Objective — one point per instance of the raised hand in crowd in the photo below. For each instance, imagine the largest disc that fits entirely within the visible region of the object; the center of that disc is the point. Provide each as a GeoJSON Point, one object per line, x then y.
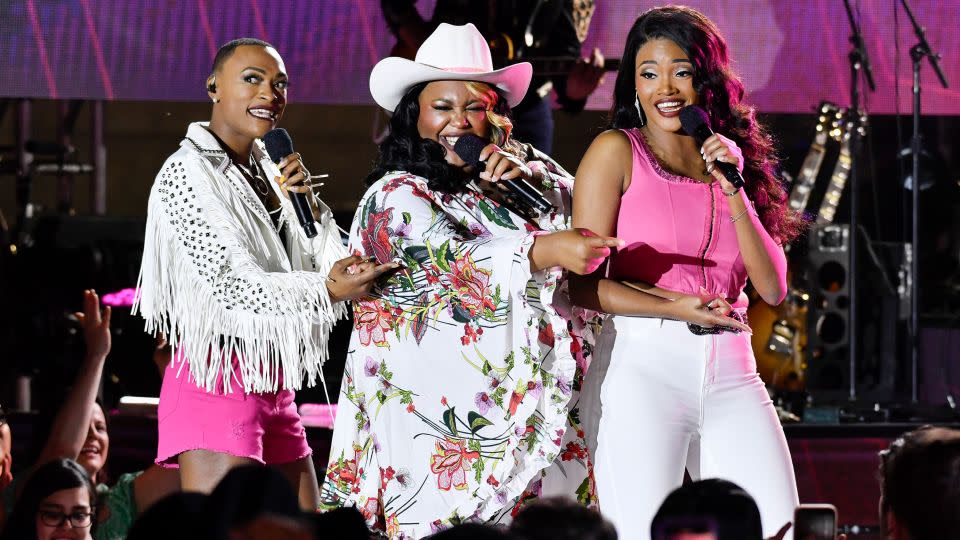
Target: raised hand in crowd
{"type": "Point", "coordinates": [68, 434]}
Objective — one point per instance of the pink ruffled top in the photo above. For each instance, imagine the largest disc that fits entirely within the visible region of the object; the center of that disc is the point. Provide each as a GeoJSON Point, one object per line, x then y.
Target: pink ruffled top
{"type": "Point", "coordinates": [677, 231]}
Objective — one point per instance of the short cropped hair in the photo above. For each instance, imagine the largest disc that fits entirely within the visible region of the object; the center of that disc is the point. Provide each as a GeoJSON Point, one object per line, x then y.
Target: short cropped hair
{"type": "Point", "coordinates": [226, 50]}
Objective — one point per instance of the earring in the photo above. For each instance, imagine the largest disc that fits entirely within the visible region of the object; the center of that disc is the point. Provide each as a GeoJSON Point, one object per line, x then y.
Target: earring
{"type": "Point", "coordinates": [216, 100]}
{"type": "Point", "coordinates": [636, 103]}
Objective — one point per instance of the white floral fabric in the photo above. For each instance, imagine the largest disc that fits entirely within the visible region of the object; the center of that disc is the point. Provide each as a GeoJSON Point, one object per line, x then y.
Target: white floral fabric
{"type": "Point", "coordinates": [461, 368]}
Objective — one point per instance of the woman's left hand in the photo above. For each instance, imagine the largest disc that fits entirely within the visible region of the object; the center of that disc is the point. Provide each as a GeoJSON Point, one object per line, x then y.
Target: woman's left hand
{"type": "Point", "coordinates": [295, 176]}
{"type": "Point", "coordinates": [502, 166]}
{"type": "Point", "coordinates": [720, 148]}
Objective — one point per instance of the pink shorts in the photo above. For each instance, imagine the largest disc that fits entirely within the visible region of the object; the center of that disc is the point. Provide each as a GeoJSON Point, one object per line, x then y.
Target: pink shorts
{"type": "Point", "coordinates": [263, 427]}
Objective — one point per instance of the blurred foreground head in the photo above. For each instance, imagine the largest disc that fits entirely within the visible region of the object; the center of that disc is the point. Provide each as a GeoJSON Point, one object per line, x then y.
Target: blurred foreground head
{"type": "Point", "coordinates": [920, 485]}
{"type": "Point", "coordinates": [706, 510]}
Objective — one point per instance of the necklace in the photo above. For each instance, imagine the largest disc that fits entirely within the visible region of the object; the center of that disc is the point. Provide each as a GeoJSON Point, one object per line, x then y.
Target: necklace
{"type": "Point", "coordinates": [663, 162]}
{"type": "Point", "coordinates": [252, 174]}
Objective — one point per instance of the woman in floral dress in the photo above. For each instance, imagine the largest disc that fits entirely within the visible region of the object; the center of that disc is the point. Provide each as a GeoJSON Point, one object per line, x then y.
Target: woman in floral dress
{"type": "Point", "coordinates": [462, 365]}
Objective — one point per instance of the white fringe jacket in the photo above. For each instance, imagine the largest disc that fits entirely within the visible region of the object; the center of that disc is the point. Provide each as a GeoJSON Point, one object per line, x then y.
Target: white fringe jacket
{"type": "Point", "coordinates": [216, 279]}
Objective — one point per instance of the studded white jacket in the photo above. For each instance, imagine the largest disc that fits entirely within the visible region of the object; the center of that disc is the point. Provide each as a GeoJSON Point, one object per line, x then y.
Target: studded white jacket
{"type": "Point", "coordinates": [217, 281]}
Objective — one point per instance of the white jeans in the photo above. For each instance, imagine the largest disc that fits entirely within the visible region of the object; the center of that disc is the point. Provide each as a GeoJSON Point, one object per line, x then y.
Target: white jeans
{"type": "Point", "coordinates": [658, 398]}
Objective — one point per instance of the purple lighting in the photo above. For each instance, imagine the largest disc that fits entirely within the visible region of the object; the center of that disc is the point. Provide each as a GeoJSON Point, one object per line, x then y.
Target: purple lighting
{"type": "Point", "coordinates": [121, 298]}
{"type": "Point", "coordinates": [790, 54]}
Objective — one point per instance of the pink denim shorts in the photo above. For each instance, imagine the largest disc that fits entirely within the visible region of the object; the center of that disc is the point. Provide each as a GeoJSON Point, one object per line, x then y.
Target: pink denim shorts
{"type": "Point", "coordinates": [264, 427]}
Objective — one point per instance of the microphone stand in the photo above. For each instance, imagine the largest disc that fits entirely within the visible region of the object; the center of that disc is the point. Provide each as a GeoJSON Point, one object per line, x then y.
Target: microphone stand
{"type": "Point", "coordinates": [917, 53]}
{"type": "Point", "coordinates": [859, 64]}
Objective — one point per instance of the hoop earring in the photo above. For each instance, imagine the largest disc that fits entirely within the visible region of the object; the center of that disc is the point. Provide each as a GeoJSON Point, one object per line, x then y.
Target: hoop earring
{"type": "Point", "coordinates": [643, 117]}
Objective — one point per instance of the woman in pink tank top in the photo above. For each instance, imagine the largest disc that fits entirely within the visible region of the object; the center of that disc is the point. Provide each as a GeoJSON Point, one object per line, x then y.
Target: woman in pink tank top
{"type": "Point", "coordinates": [673, 383]}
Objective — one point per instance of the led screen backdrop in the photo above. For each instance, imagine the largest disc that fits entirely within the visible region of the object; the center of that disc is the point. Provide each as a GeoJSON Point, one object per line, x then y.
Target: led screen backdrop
{"type": "Point", "coordinates": [790, 53]}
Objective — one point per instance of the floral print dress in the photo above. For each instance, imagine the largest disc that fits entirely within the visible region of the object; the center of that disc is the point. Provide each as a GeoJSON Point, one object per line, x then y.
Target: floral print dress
{"type": "Point", "coordinates": [461, 368]}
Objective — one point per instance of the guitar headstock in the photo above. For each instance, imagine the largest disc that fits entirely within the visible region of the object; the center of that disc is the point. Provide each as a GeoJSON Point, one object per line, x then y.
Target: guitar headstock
{"type": "Point", "coordinates": [850, 122]}
{"type": "Point", "coordinates": [862, 123]}
{"type": "Point", "coordinates": [840, 125]}
{"type": "Point", "coordinates": [826, 116]}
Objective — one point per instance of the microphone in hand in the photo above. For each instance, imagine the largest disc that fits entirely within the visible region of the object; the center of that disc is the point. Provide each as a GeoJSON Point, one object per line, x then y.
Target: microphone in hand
{"type": "Point", "coordinates": [469, 147]}
{"type": "Point", "coordinates": [696, 124]}
{"type": "Point", "coordinates": [280, 145]}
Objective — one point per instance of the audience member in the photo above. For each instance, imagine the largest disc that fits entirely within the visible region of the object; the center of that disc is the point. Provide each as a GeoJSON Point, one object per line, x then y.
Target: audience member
{"type": "Point", "coordinates": [272, 527]}
{"type": "Point", "coordinates": [245, 494]}
{"type": "Point", "coordinates": [342, 523]}
{"type": "Point", "coordinates": [6, 462]}
{"type": "Point", "coordinates": [6, 458]}
{"type": "Point", "coordinates": [168, 516]}
{"type": "Point", "coordinates": [57, 501]}
{"type": "Point", "coordinates": [472, 531]}
{"type": "Point", "coordinates": [79, 432]}
{"type": "Point", "coordinates": [559, 518]}
{"type": "Point", "coordinates": [920, 485]}
{"type": "Point", "coordinates": [707, 506]}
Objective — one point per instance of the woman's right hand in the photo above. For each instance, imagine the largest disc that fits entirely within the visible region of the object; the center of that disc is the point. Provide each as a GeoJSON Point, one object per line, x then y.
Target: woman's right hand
{"type": "Point", "coordinates": [578, 250]}
{"type": "Point", "coordinates": [96, 326]}
{"type": "Point", "coordinates": [704, 312]}
{"type": "Point", "coordinates": [352, 277]}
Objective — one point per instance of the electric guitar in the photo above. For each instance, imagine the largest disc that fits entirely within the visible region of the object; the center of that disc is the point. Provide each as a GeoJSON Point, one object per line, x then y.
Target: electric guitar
{"type": "Point", "coordinates": [841, 171]}
{"type": "Point", "coordinates": [803, 186]}
{"type": "Point", "coordinates": [780, 333]}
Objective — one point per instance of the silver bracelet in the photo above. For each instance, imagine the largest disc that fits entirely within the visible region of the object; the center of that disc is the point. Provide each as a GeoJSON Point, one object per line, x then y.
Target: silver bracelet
{"type": "Point", "coordinates": [733, 219]}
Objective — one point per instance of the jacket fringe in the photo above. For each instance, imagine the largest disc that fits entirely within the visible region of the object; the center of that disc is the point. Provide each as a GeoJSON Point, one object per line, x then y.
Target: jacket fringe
{"type": "Point", "coordinates": [205, 285]}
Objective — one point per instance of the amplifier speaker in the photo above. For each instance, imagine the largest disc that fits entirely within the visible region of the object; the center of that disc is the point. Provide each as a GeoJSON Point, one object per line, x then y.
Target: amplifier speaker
{"type": "Point", "coordinates": [828, 340]}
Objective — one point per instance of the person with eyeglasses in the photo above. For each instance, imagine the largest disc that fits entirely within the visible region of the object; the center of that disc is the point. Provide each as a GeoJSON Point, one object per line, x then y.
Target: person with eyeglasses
{"type": "Point", "coordinates": [58, 501]}
{"type": "Point", "coordinates": [80, 432]}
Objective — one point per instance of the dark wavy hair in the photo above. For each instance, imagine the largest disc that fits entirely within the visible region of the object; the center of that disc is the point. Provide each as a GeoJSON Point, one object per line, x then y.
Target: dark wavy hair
{"type": "Point", "coordinates": [405, 150]}
{"type": "Point", "coordinates": [721, 95]}
{"type": "Point", "coordinates": [44, 481]}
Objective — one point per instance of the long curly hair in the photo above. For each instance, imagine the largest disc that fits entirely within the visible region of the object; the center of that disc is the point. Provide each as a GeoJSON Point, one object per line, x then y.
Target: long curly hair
{"type": "Point", "coordinates": [405, 150]}
{"type": "Point", "coordinates": [721, 95]}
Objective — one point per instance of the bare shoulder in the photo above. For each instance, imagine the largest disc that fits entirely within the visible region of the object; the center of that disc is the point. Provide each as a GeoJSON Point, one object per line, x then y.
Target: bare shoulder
{"type": "Point", "coordinates": [611, 142]}
{"type": "Point", "coordinates": [608, 160]}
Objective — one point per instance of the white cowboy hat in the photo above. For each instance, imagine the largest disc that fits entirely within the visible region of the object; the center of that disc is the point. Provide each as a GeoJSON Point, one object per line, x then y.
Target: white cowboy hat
{"type": "Point", "coordinates": [450, 53]}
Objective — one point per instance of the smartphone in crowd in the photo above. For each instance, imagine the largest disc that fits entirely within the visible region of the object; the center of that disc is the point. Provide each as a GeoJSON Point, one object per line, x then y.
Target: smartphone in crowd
{"type": "Point", "coordinates": [815, 522]}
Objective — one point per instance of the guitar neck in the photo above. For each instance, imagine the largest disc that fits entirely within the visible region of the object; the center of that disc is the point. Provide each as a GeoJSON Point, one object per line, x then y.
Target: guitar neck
{"type": "Point", "coordinates": [838, 180]}
{"type": "Point", "coordinates": [803, 186]}
{"type": "Point", "coordinates": [560, 65]}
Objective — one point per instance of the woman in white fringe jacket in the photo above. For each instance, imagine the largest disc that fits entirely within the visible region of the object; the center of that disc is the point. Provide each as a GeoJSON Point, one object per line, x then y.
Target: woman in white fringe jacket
{"type": "Point", "coordinates": [245, 299]}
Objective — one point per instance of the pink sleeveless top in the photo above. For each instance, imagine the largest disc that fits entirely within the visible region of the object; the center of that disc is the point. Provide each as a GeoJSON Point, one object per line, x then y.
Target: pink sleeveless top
{"type": "Point", "coordinates": [677, 231]}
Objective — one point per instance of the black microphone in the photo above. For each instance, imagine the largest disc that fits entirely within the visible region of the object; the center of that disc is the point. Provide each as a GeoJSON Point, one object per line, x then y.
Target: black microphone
{"type": "Point", "coordinates": [696, 123]}
{"type": "Point", "coordinates": [469, 146]}
{"type": "Point", "coordinates": [280, 145]}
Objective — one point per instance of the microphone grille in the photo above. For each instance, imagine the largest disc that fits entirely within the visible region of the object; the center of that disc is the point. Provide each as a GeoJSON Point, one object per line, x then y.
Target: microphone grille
{"type": "Point", "coordinates": [279, 144]}
{"type": "Point", "coordinates": [468, 147]}
{"type": "Point", "coordinates": [692, 118]}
